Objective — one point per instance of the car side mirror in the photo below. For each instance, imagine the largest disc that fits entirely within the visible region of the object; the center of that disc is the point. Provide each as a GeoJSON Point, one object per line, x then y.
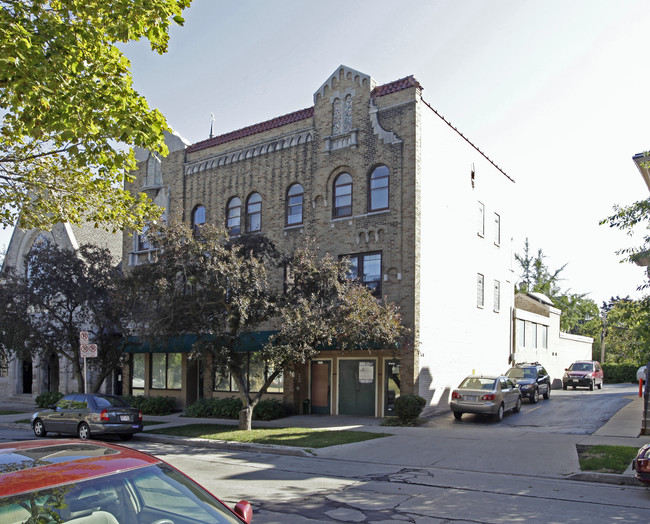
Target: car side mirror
{"type": "Point", "coordinates": [244, 511]}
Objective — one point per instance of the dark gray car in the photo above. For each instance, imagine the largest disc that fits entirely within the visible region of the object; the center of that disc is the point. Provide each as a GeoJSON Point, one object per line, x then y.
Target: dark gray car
{"type": "Point", "coordinates": [89, 415]}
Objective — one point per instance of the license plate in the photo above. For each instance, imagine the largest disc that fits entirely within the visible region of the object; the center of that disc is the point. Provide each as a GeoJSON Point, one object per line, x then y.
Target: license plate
{"type": "Point", "coordinates": [473, 398]}
{"type": "Point", "coordinates": [125, 418]}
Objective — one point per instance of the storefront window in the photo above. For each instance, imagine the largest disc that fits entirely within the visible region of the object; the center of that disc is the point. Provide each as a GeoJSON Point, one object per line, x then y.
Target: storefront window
{"type": "Point", "coordinates": [166, 370]}
{"type": "Point", "coordinates": [137, 375]}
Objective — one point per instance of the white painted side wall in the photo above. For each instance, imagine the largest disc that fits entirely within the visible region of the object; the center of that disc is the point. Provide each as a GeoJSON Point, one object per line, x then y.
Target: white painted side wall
{"type": "Point", "coordinates": [562, 350]}
{"type": "Point", "coordinates": [459, 338]}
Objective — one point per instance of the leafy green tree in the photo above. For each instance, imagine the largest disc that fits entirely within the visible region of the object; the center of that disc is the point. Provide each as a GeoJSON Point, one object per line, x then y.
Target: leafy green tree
{"type": "Point", "coordinates": [626, 330]}
{"type": "Point", "coordinates": [69, 115]}
{"type": "Point", "coordinates": [205, 284]}
{"type": "Point", "coordinates": [580, 315]}
{"type": "Point", "coordinates": [62, 293]}
{"type": "Point", "coordinates": [632, 219]}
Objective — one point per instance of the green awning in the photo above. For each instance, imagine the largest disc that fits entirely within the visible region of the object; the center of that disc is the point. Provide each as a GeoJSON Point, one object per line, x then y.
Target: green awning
{"type": "Point", "coordinates": [252, 341]}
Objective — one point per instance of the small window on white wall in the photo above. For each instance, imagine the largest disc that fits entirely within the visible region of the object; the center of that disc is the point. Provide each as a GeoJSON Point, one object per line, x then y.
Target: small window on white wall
{"type": "Point", "coordinates": [497, 229]}
{"type": "Point", "coordinates": [480, 227]}
{"type": "Point", "coordinates": [480, 290]}
{"type": "Point", "coordinates": [497, 296]}
{"type": "Point", "coordinates": [521, 333]}
{"type": "Point", "coordinates": [543, 337]}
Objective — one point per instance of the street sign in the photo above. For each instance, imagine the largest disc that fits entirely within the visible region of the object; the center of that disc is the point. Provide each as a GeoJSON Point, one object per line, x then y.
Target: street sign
{"type": "Point", "coordinates": [83, 338]}
{"type": "Point", "coordinates": [88, 350]}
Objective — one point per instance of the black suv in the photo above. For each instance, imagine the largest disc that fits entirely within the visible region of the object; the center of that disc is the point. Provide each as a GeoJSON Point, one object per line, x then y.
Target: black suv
{"type": "Point", "coordinates": [532, 379]}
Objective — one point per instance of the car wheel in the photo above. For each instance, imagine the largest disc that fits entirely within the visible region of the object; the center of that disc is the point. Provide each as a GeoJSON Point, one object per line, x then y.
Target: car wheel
{"type": "Point", "coordinates": [498, 416]}
{"type": "Point", "coordinates": [83, 431]}
{"type": "Point", "coordinates": [126, 436]}
{"type": "Point", "coordinates": [547, 395]}
{"type": "Point", "coordinates": [39, 428]}
{"type": "Point", "coordinates": [591, 386]}
{"type": "Point", "coordinates": [517, 407]}
{"type": "Point", "coordinates": [534, 398]}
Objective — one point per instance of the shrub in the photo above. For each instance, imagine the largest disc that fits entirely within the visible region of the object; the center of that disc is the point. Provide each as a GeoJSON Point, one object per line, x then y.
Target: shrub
{"type": "Point", "coordinates": [229, 408]}
{"type": "Point", "coordinates": [619, 373]}
{"type": "Point", "coordinates": [48, 398]}
{"type": "Point", "coordinates": [215, 407]}
{"type": "Point", "coordinates": [269, 409]}
{"type": "Point", "coordinates": [409, 407]}
{"type": "Point", "coordinates": [152, 405]}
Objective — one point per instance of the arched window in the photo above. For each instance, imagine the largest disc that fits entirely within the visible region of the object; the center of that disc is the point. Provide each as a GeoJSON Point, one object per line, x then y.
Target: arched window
{"type": "Point", "coordinates": [378, 189]}
{"type": "Point", "coordinates": [198, 217]}
{"type": "Point", "coordinates": [294, 205]}
{"type": "Point", "coordinates": [342, 196]}
{"type": "Point", "coordinates": [254, 213]}
{"type": "Point", "coordinates": [233, 216]}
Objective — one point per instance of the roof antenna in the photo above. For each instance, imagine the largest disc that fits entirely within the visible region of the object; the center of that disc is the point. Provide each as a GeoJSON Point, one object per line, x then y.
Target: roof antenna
{"type": "Point", "coordinates": [211, 124]}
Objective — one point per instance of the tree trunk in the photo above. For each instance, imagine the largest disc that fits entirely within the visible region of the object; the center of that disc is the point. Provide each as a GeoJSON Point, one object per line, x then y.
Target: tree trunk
{"type": "Point", "coordinates": [246, 418]}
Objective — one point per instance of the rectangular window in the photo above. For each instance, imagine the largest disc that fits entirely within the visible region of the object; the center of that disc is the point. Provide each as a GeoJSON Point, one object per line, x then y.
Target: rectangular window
{"type": "Point", "coordinates": [256, 373]}
{"type": "Point", "coordinates": [497, 229]}
{"type": "Point", "coordinates": [533, 334]}
{"type": "Point", "coordinates": [543, 336]}
{"type": "Point", "coordinates": [480, 290]}
{"type": "Point", "coordinates": [166, 370]}
{"type": "Point", "coordinates": [521, 333]}
{"type": "Point", "coordinates": [367, 269]}
{"type": "Point", "coordinates": [497, 296]}
{"type": "Point", "coordinates": [481, 219]}
{"type": "Point", "coordinates": [137, 372]}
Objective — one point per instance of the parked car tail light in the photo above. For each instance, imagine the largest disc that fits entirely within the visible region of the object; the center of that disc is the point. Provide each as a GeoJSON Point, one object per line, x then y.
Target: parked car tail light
{"type": "Point", "coordinates": [488, 397]}
{"type": "Point", "coordinates": [140, 416]}
{"type": "Point", "coordinates": [456, 395]}
{"type": "Point", "coordinates": [643, 465]}
{"type": "Point", "coordinates": [104, 415]}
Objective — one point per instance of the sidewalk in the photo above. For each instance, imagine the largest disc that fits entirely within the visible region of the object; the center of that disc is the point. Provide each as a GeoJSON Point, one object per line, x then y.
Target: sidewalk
{"type": "Point", "coordinates": [558, 451]}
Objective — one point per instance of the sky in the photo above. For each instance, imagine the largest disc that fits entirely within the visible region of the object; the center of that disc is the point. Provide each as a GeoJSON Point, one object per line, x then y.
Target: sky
{"type": "Point", "coordinates": [555, 92]}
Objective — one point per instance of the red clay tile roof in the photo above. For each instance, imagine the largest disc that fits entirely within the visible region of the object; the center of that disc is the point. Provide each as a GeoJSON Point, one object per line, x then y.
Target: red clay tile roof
{"type": "Point", "coordinates": [397, 85]}
{"type": "Point", "coordinates": [303, 114]}
{"type": "Point", "coordinates": [251, 130]}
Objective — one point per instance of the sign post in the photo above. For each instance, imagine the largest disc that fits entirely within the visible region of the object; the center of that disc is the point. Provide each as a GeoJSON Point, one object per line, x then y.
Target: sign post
{"type": "Point", "coordinates": [87, 350]}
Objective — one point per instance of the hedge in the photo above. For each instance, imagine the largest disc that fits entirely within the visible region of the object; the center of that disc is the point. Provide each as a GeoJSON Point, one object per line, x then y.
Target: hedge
{"type": "Point", "coordinates": [620, 373]}
{"type": "Point", "coordinates": [267, 409]}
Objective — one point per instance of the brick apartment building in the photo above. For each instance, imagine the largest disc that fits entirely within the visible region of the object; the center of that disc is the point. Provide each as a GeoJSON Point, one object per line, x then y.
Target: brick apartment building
{"type": "Point", "coordinates": [372, 172]}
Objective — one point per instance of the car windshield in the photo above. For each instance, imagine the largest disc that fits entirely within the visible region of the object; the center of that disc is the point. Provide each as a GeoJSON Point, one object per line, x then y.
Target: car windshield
{"type": "Point", "coordinates": [518, 373]}
{"type": "Point", "coordinates": [581, 366]}
{"type": "Point", "coordinates": [155, 493]}
{"type": "Point", "coordinates": [478, 383]}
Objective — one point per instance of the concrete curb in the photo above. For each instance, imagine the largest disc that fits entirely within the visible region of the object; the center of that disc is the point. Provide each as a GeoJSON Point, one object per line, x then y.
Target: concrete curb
{"type": "Point", "coordinates": [606, 478]}
{"type": "Point", "coordinates": [224, 444]}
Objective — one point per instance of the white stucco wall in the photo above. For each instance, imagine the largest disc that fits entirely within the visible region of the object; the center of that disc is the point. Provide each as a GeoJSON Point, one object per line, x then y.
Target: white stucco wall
{"type": "Point", "coordinates": [562, 349]}
{"type": "Point", "coordinates": [459, 338]}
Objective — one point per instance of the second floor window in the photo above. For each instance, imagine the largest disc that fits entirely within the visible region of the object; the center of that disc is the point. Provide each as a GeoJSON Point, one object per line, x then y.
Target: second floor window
{"type": "Point", "coordinates": [480, 290]}
{"type": "Point", "coordinates": [198, 217]}
{"type": "Point", "coordinates": [378, 189]}
{"type": "Point", "coordinates": [254, 213]}
{"type": "Point", "coordinates": [366, 268]}
{"type": "Point", "coordinates": [342, 196]}
{"type": "Point", "coordinates": [143, 241]}
{"type": "Point", "coordinates": [294, 205]}
{"type": "Point", "coordinates": [233, 216]}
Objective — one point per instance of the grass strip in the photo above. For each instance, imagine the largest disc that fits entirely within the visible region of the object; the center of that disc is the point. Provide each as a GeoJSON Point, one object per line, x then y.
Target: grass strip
{"type": "Point", "coordinates": [297, 437]}
{"type": "Point", "coordinates": [606, 459]}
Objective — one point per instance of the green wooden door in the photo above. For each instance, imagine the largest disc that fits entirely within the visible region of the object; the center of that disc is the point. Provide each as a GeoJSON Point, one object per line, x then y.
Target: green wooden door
{"type": "Point", "coordinates": [357, 386]}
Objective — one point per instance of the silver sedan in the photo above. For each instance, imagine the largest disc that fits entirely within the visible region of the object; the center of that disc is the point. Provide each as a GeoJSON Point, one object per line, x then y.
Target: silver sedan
{"type": "Point", "coordinates": [485, 395]}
